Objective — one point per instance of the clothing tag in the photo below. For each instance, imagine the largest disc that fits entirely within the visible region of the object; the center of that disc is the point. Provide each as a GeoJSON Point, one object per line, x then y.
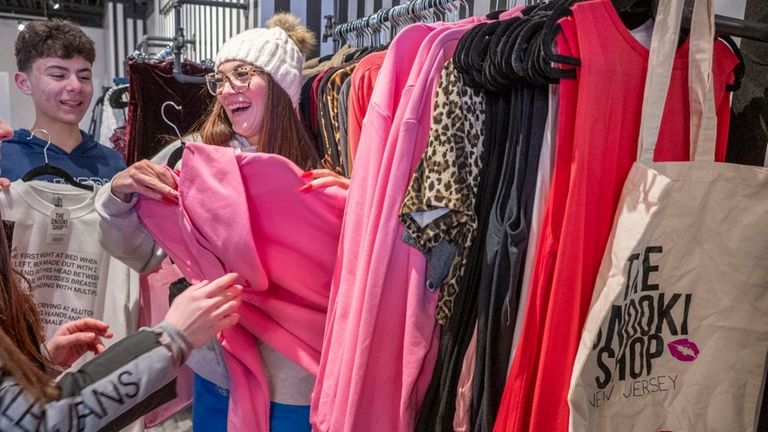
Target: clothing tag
{"type": "Point", "coordinates": [58, 200]}
{"type": "Point", "coordinates": [58, 227]}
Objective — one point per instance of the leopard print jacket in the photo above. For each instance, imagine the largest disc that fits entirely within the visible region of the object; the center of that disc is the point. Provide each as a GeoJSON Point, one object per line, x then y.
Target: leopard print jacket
{"type": "Point", "coordinates": [439, 204]}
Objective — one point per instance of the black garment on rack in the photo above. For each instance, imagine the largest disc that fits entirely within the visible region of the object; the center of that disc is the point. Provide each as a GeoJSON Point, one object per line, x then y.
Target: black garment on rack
{"type": "Point", "coordinates": [439, 405]}
{"type": "Point", "coordinates": [749, 122]}
{"type": "Point", "coordinates": [437, 410]}
{"type": "Point", "coordinates": [506, 246]}
{"type": "Point", "coordinates": [748, 133]}
{"type": "Point", "coordinates": [152, 84]}
{"type": "Point", "coordinates": [307, 115]}
{"type": "Point", "coordinates": [502, 58]}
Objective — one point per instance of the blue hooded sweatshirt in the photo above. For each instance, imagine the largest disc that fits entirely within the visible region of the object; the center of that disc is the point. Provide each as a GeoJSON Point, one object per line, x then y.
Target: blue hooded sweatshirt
{"type": "Point", "coordinates": [89, 162]}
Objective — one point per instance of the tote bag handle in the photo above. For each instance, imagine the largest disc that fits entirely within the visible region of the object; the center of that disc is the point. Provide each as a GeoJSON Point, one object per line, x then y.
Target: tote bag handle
{"type": "Point", "coordinates": [666, 32]}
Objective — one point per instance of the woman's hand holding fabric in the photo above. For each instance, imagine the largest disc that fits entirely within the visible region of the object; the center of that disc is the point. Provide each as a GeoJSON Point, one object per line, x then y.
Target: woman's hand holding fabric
{"type": "Point", "coordinates": [145, 178]}
{"type": "Point", "coordinates": [321, 178]}
{"type": "Point", "coordinates": [206, 308]}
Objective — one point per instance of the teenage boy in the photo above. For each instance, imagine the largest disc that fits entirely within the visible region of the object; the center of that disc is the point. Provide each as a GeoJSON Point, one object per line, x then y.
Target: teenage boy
{"type": "Point", "coordinates": [54, 61]}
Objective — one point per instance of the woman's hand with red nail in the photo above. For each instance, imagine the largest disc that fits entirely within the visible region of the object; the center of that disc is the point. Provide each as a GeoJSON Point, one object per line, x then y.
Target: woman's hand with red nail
{"type": "Point", "coordinates": [321, 178]}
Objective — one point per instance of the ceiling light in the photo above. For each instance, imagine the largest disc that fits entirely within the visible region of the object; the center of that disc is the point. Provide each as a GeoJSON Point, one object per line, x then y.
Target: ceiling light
{"type": "Point", "coordinates": [20, 25]}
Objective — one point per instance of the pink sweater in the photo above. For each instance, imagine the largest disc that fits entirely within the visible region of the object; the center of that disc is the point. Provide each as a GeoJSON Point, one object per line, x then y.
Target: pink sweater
{"type": "Point", "coordinates": [242, 212]}
{"type": "Point", "coordinates": [381, 338]}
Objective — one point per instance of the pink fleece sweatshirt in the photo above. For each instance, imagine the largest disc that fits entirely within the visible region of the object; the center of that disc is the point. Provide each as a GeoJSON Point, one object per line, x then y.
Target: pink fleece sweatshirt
{"type": "Point", "coordinates": [381, 338]}
{"type": "Point", "coordinates": [242, 212]}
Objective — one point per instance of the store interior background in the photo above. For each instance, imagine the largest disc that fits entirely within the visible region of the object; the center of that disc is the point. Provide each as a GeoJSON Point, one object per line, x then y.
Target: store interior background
{"type": "Point", "coordinates": [124, 23]}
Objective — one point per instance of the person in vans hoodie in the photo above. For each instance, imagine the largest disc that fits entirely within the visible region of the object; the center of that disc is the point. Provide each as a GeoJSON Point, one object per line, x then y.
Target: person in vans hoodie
{"type": "Point", "coordinates": [54, 60]}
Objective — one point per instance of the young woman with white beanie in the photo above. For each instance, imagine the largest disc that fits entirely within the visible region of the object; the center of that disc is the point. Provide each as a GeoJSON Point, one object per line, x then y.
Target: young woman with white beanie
{"type": "Point", "coordinates": [257, 84]}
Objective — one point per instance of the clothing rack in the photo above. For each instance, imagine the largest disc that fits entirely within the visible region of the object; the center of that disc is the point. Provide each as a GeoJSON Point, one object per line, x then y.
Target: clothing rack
{"type": "Point", "coordinates": [372, 26]}
{"type": "Point", "coordinates": [158, 42]}
{"type": "Point", "coordinates": [417, 10]}
{"type": "Point", "coordinates": [179, 42]}
{"type": "Point", "coordinates": [734, 27]}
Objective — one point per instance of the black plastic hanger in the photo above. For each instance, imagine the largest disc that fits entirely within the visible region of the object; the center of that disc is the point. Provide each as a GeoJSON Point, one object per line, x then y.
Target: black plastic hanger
{"type": "Point", "coordinates": [634, 13]}
{"type": "Point", "coordinates": [118, 97]}
{"type": "Point", "coordinates": [50, 170]}
{"type": "Point", "coordinates": [551, 30]}
{"type": "Point", "coordinates": [462, 60]}
{"type": "Point", "coordinates": [739, 69]}
{"type": "Point", "coordinates": [631, 9]}
{"type": "Point", "coordinates": [495, 77]}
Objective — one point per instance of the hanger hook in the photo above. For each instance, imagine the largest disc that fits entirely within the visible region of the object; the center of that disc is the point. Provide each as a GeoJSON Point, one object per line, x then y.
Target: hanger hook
{"type": "Point", "coordinates": [45, 150]}
{"type": "Point", "coordinates": [162, 113]}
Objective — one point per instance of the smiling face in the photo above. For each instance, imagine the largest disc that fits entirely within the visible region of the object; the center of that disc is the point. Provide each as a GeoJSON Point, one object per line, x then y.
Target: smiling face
{"type": "Point", "coordinates": [61, 89]}
{"type": "Point", "coordinates": [244, 107]}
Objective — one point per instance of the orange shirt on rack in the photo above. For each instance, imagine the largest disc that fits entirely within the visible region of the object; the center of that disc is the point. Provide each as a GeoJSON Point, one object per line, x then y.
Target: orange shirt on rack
{"type": "Point", "coordinates": [363, 79]}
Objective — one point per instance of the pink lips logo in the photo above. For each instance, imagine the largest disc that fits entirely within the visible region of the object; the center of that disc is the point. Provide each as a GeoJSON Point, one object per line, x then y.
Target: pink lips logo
{"type": "Point", "coordinates": [683, 350]}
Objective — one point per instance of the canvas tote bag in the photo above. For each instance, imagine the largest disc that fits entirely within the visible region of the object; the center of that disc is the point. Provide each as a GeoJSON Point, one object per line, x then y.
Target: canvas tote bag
{"type": "Point", "coordinates": [677, 336]}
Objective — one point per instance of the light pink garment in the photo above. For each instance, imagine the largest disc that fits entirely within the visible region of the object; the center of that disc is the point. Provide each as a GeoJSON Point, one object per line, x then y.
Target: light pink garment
{"type": "Point", "coordinates": [463, 415]}
{"type": "Point", "coordinates": [515, 11]}
{"type": "Point", "coordinates": [381, 336]}
{"type": "Point", "coordinates": [243, 213]}
{"type": "Point", "coordinates": [153, 305]}
{"type": "Point", "coordinates": [350, 348]}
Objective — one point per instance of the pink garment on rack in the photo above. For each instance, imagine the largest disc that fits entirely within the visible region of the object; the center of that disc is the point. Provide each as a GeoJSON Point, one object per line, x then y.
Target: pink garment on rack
{"type": "Point", "coordinates": [153, 305]}
{"type": "Point", "coordinates": [463, 415]}
{"type": "Point", "coordinates": [242, 212]}
{"type": "Point", "coordinates": [380, 308]}
{"type": "Point", "coordinates": [355, 339]}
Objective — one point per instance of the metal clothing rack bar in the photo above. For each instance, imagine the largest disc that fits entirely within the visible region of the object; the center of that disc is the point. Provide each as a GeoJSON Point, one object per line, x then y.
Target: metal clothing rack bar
{"type": "Point", "coordinates": [179, 41]}
{"type": "Point", "coordinates": [734, 27]}
{"type": "Point", "coordinates": [723, 24]}
{"type": "Point", "coordinates": [215, 3]}
{"type": "Point", "coordinates": [416, 10]}
{"type": "Point", "coordinates": [158, 41]}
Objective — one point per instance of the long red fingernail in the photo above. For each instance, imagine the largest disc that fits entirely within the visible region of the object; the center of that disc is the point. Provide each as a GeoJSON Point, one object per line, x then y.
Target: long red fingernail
{"type": "Point", "coordinates": [307, 174]}
{"type": "Point", "coordinates": [307, 187]}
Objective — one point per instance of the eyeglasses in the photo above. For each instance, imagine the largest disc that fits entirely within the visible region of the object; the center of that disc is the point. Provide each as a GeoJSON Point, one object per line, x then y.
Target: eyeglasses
{"type": "Point", "coordinates": [239, 79]}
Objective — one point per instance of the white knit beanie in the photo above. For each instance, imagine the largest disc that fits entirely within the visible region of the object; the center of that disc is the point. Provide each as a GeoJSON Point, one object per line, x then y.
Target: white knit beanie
{"type": "Point", "coordinates": [278, 49]}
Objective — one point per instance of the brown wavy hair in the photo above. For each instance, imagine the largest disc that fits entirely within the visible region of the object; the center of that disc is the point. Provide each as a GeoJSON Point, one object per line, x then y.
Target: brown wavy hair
{"type": "Point", "coordinates": [54, 38]}
{"type": "Point", "coordinates": [21, 333]}
{"type": "Point", "coordinates": [281, 132]}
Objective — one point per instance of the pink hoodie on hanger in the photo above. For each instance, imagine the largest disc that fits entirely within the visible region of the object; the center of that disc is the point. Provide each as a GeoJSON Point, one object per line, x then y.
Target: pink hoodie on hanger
{"type": "Point", "coordinates": [350, 349]}
{"type": "Point", "coordinates": [242, 212]}
{"type": "Point", "coordinates": [381, 337]}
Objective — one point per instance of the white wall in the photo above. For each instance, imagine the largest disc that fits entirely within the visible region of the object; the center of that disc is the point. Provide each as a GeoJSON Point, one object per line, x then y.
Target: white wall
{"type": "Point", "coordinates": [22, 110]}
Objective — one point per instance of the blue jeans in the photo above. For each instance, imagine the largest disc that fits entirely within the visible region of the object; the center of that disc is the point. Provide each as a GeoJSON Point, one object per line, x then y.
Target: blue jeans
{"type": "Point", "coordinates": [210, 404]}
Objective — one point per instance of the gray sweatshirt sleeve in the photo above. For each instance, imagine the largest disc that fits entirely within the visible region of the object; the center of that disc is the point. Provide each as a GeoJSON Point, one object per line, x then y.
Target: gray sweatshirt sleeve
{"type": "Point", "coordinates": [122, 235]}
{"type": "Point", "coordinates": [120, 231]}
{"type": "Point", "coordinates": [109, 392]}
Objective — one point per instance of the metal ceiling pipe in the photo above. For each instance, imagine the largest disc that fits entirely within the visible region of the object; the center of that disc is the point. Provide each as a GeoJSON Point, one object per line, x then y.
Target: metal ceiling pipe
{"type": "Point", "coordinates": [178, 46]}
